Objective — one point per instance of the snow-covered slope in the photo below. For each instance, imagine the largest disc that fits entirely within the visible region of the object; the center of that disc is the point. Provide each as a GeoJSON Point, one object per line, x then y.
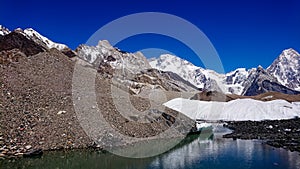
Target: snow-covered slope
{"type": "Point", "coordinates": [236, 110]}
{"type": "Point", "coordinates": [42, 40]}
{"type": "Point", "coordinates": [117, 59]}
{"type": "Point", "coordinates": [234, 80]}
{"type": "Point", "coordinates": [36, 37]}
{"type": "Point", "coordinates": [286, 68]}
{"type": "Point", "coordinates": [3, 30]}
{"type": "Point", "coordinates": [183, 68]}
{"type": "Point", "coordinates": [200, 77]}
{"type": "Point", "coordinates": [131, 70]}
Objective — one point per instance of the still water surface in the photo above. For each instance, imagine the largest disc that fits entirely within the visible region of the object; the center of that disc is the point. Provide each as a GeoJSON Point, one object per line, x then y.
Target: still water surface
{"type": "Point", "coordinates": [194, 153]}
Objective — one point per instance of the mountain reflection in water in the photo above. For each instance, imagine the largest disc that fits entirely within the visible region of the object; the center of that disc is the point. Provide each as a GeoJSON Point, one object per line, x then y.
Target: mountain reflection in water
{"type": "Point", "coordinates": [204, 151]}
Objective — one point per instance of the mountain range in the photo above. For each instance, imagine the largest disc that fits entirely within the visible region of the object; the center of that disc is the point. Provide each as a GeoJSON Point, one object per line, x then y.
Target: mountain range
{"type": "Point", "coordinates": [281, 76]}
{"type": "Point", "coordinates": [167, 72]}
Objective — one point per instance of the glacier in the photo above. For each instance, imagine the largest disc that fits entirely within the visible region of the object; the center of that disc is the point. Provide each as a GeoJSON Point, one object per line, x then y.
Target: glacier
{"type": "Point", "coordinates": [235, 110]}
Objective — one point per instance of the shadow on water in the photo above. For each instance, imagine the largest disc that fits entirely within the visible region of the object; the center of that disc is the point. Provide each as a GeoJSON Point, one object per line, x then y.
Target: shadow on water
{"type": "Point", "coordinates": [91, 159]}
{"type": "Point", "coordinates": [195, 151]}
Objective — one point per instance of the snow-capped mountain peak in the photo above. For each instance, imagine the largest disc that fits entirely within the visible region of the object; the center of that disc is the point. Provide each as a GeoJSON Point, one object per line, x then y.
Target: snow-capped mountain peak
{"type": "Point", "coordinates": [3, 30]}
{"type": "Point", "coordinates": [105, 53]}
{"type": "Point", "coordinates": [105, 44]}
{"type": "Point", "coordinates": [38, 38]}
{"type": "Point", "coordinates": [168, 62]}
{"type": "Point", "coordinates": [200, 77]}
{"type": "Point", "coordinates": [183, 68]}
{"type": "Point", "coordinates": [286, 68]}
{"type": "Point", "coordinates": [289, 54]}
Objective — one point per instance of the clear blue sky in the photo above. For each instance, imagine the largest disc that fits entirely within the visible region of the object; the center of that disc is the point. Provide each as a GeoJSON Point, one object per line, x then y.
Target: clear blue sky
{"type": "Point", "coordinates": [245, 33]}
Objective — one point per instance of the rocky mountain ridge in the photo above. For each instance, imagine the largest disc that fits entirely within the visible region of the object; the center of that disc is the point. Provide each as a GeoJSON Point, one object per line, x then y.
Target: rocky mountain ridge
{"type": "Point", "coordinates": [281, 76]}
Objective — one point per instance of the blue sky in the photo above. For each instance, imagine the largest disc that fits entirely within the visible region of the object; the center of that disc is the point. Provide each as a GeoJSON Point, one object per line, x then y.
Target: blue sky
{"type": "Point", "coordinates": [244, 33]}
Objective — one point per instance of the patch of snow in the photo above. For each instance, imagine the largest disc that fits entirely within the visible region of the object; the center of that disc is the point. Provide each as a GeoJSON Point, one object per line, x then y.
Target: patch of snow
{"type": "Point", "coordinates": [268, 97]}
{"type": "Point", "coordinates": [203, 125]}
{"type": "Point", "coordinates": [235, 110]}
{"type": "Point", "coordinates": [61, 112]}
{"type": "Point", "coordinates": [3, 30]}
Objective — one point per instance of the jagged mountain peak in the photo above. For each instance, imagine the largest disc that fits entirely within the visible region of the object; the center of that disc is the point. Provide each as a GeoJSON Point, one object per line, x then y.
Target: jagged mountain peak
{"type": "Point", "coordinates": [289, 54]}
{"type": "Point", "coordinates": [30, 42]}
{"type": "Point", "coordinates": [260, 68]}
{"type": "Point", "coordinates": [168, 58]}
{"type": "Point", "coordinates": [286, 68]}
{"type": "Point", "coordinates": [240, 70]}
{"type": "Point", "coordinates": [105, 44]}
{"type": "Point", "coordinates": [18, 30]}
{"type": "Point", "coordinates": [4, 30]}
{"type": "Point", "coordinates": [105, 54]}
{"type": "Point", "coordinates": [239, 81]}
{"type": "Point", "coordinates": [202, 78]}
{"type": "Point", "coordinates": [32, 34]}
{"type": "Point", "coordinates": [260, 81]}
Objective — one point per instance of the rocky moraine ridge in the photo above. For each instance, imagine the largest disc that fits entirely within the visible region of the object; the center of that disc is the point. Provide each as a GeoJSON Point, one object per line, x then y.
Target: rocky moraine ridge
{"type": "Point", "coordinates": [36, 108]}
{"type": "Point", "coordinates": [37, 111]}
{"type": "Point", "coordinates": [277, 133]}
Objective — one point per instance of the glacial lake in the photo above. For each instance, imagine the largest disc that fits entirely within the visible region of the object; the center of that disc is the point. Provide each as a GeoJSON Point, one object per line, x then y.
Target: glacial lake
{"type": "Point", "coordinates": [193, 153]}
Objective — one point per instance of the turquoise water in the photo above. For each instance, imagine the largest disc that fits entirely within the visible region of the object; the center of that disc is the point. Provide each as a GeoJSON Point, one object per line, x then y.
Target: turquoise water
{"type": "Point", "coordinates": [194, 152]}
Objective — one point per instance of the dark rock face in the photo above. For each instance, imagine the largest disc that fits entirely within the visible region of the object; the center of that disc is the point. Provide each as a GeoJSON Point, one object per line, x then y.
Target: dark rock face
{"type": "Point", "coordinates": [211, 96]}
{"type": "Point", "coordinates": [17, 40]}
{"type": "Point", "coordinates": [260, 81]}
{"type": "Point", "coordinates": [257, 88]}
{"type": "Point", "coordinates": [272, 86]}
{"type": "Point", "coordinates": [169, 81]}
{"type": "Point", "coordinates": [68, 52]}
{"type": "Point", "coordinates": [277, 133]}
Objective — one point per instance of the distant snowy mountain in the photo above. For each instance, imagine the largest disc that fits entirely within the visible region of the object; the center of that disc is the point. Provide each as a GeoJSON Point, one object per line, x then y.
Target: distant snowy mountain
{"type": "Point", "coordinates": [286, 68]}
{"type": "Point", "coordinates": [130, 69]}
{"type": "Point", "coordinates": [260, 81]}
{"type": "Point", "coordinates": [15, 39]}
{"type": "Point", "coordinates": [36, 37]}
{"type": "Point", "coordinates": [200, 77]}
{"type": "Point", "coordinates": [104, 53]}
{"type": "Point", "coordinates": [177, 65]}
{"type": "Point", "coordinates": [42, 40]}
{"type": "Point", "coordinates": [235, 80]}
{"type": "Point", "coordinates": [282, 76]}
